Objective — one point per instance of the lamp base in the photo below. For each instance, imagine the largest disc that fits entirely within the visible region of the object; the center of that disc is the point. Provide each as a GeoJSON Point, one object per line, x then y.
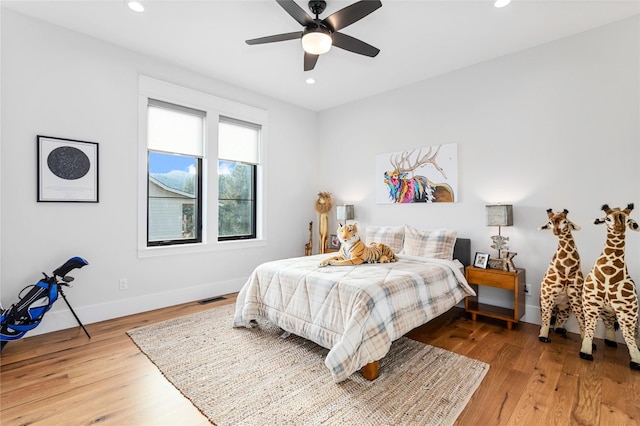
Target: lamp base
{"type": "Point", "coordinates": [500, 243]}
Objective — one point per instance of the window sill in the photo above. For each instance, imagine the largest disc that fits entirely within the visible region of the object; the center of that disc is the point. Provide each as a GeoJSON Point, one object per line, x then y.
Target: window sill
{"type": "Point", "coordinates": [180, 249]}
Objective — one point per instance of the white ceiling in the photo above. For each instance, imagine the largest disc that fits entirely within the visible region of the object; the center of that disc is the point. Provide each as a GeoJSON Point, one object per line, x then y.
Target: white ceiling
{"type": "Point", "coordinates": [418, 39]}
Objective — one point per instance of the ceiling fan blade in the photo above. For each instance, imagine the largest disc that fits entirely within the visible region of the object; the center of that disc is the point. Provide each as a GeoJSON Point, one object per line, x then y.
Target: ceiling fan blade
{"type": "Point", "coordinates": [354, 45]}
{"type": "Point", "coordinates": [274, 38]}
{"type": "Point", "coordinates": [351, 14]}
{"type": "Point", "coordinates": [296, 12]}
{"type": "Point", "coordinates": [310, 61]}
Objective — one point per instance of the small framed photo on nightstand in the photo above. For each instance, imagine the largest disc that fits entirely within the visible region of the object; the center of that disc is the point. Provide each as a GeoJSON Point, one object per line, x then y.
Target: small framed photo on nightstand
{"type": "Point", "coordinates": [481, 260]}
{"type": "Point", "coordinates": [334, 242]}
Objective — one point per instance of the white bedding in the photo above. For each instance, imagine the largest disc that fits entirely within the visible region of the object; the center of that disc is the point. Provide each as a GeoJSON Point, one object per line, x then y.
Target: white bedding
{"type": "Point", "coordinates": [355, 311]}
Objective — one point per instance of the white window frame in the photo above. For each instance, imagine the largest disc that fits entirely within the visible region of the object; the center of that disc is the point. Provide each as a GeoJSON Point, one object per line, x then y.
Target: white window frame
{"type": "Point", "coordinates": [151, 88]}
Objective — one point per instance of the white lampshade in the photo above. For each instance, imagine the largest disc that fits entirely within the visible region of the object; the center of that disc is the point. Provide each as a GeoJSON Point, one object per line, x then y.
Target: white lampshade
{"type": "Point", "coordinates": [500, 215]}
{"type": "Point", "coordinates": [345, 212]}
{"type": "Point", "coordinates": [316, 41]}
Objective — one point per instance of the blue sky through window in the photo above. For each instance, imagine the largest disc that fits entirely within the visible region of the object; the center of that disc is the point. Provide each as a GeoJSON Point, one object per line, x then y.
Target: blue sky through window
{"type": "Point", "coordinates": [226, 167]}
{"type": "Point", "coordinates": [165, 163]}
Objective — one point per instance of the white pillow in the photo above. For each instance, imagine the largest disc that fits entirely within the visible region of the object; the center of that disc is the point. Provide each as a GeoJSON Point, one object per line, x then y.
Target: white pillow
{"type": "Point", "coordinates": [392, 236]}
{"type": "Point", "coordinates": [435, 243]}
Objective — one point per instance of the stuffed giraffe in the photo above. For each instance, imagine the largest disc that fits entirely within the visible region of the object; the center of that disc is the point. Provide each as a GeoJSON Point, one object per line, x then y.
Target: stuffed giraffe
{"type": "Point", "coordinates": [608, 287]}
{"type": "Point", "coordinates": [561, 287]}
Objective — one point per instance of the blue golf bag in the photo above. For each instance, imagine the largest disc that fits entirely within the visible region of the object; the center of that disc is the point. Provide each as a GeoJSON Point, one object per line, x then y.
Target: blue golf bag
{"type": "Point", "coordinates": [26, 314]}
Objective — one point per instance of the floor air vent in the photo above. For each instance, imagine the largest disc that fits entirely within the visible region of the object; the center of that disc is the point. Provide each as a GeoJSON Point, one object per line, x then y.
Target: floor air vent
{"type": "Point", "coordinates": [211, 300]}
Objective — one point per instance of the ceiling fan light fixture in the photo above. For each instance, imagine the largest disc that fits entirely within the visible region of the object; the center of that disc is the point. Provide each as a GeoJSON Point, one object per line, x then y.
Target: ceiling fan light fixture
{"type": "Point", "coordinates": [318, 35]}
{"type": "Point", "coordinates": [316, 41]}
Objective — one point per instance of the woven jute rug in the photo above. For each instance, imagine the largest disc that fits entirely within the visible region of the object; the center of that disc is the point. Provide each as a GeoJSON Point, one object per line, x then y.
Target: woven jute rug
{"type": "Point", "coordinates": [238, 376]}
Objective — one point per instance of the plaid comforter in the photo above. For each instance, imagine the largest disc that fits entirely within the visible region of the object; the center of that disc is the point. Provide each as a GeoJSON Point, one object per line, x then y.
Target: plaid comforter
{"type": "Point", "coordinates": [355, 311]}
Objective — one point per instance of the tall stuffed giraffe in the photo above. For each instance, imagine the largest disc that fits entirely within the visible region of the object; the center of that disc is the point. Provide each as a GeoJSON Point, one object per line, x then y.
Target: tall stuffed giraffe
{"type": "Point", "coordinates": [561, 287]}
{"type": "Point", "coordinates": [608, 287]}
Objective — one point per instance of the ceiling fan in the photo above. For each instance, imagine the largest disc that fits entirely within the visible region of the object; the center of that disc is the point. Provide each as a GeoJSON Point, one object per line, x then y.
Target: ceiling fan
{"type": "Point", "coordinates": [319, 35]}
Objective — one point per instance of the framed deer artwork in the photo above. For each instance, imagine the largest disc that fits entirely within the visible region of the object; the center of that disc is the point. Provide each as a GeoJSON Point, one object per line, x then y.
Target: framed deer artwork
{"type": "Point", "coordinates": [418, 175]}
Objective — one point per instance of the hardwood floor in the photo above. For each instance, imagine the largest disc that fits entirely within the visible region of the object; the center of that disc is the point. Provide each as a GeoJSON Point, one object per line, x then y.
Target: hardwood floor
{"type": "Point", "coordinates": [533, 383]}
{"type": "Point", "coordinates": [64, 378]}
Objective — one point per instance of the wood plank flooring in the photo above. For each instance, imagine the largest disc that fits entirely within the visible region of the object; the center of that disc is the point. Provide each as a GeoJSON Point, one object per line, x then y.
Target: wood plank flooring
{"type": "Point", "coordinates": [64, 378]}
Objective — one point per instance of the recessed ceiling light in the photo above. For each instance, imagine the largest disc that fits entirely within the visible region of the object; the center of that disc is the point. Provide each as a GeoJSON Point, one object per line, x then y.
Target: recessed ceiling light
{"type": "Point", "coordinates": [136, 6]}
{"type": "Point", "coordinates": [310, 80]}
{"type": "Point", "coordinates": [501, 3]}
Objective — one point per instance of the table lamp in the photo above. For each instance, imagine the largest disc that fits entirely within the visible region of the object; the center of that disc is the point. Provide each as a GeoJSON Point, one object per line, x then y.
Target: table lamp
{"type": "Point", "coordinates": [500, 215]}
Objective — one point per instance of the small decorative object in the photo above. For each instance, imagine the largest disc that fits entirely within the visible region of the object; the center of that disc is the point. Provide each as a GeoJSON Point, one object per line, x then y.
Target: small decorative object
{"type": "Point", "coordinates": [324, 204]}
{"type": "Point", "coordinates": [507, 264]}
{"type": "Point", "coordinates": [500, 215]}
{"type": "Point", "coordinates": [67, 170]}
{"type": "Point", "coordinates": [481, 260]}
{"type": "Point", "coordinates": [334, 242]}
{"type": "Point", "coordinates": [308, 247]}
{"type": "Point", "coordinates": [496, 263]}
{"type": "Point", "coordinates": [504, 262]}
{"type": "Point", "coordinates": [344, 213]}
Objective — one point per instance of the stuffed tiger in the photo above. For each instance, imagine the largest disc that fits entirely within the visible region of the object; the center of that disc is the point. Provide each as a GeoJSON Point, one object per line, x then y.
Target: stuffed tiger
{"type": "Point", "coordinates": [354, 252]}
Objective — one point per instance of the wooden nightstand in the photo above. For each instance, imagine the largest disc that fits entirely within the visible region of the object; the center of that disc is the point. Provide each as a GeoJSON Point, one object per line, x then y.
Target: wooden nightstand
{"type": "Point", "coordinates": [510, 281]}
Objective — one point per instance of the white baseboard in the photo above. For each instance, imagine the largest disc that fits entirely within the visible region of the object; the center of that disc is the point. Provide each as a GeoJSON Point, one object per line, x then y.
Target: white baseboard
{"type": "Point", "coordinates": [63, 318]}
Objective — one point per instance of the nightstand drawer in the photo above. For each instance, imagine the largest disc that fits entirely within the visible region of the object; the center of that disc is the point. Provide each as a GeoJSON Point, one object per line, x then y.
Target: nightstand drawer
{"type": "Point", "coordinates": [514, 282]}
{"type": "Point", "coordinates": [491, 277]}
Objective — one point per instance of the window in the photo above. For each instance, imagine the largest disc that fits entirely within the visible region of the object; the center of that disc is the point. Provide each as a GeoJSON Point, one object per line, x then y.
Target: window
{"type": "Point", "coordinates": [175, 139]}
{"type": "Point", "coordinates": [201, 177]}
{"type": "Point", "coordinates": [238, 148]}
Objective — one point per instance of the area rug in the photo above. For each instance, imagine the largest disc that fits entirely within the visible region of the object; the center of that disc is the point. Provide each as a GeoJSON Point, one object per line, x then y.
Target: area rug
{"type": "Point", "coordinates": [260, 376]}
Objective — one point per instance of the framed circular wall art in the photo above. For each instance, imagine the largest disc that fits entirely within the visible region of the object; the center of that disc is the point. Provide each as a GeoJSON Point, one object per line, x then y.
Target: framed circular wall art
{"type": "Point", "coordinates": [67, 170]}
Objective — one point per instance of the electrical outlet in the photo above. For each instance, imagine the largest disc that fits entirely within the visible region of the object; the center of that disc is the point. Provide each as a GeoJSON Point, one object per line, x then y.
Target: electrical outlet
{"type": "Point", "coordinates": [527, 289]}
{"type": "Point", "coordinates": [124, 284]}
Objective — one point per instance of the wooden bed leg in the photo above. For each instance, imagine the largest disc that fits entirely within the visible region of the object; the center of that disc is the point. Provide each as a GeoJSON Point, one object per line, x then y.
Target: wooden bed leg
{"type": "Point", "coordinates": [370, 371]}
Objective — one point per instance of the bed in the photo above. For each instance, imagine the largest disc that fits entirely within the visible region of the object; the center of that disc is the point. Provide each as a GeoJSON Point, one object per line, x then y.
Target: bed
{"type": "Point", "coordinates": [358, 311]}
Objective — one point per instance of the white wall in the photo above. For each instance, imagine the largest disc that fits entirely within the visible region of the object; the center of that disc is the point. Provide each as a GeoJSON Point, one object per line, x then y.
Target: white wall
{"type": "Point", "coordinates": [59, 83]}
{"type": "Point", "coordinates": [537, 129]}
{"type": "Point", "coordinates": [556, 126]}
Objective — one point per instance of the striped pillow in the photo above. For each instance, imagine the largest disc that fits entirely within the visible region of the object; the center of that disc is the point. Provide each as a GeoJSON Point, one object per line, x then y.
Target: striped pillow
{"type": "Point", "coordinates": [436, 243]}
{"type": "Point", "coordinates": [392, 236]}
